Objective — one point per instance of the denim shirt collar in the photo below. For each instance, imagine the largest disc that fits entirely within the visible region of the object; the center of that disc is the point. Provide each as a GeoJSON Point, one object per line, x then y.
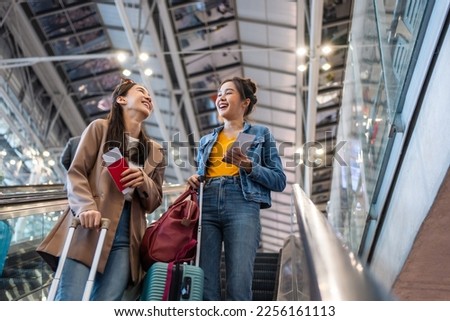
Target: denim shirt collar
{"type": "Point", "coordinates": [218, 129]}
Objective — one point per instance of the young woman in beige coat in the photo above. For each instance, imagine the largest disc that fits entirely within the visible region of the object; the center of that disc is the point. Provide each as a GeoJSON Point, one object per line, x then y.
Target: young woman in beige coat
{"type": "Point", "coordinates": [93, 195]}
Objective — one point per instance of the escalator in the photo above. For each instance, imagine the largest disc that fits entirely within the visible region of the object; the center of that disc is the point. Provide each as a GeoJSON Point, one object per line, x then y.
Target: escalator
{"type": "Point", "coordinates": [302, 270]}
{"type": "Point", "coordinates": [30, 211]}
{"type": "Point", "coordinates": [25, 276]}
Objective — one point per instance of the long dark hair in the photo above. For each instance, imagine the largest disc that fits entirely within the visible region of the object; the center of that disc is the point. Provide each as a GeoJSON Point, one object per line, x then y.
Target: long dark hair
{"type": "Point", "coordinates": [116, 135]}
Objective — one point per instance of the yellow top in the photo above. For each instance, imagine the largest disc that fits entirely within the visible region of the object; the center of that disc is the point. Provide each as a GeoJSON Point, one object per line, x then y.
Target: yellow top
{"type": "Point", "coordinates": [216, 167]}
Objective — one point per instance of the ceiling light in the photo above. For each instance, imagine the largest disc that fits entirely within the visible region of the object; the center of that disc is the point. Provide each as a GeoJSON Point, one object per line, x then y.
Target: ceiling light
{"type": "Point", "coordinates": [326, 50]}
{"type": "Point", "coordinates": [325, 65]}
{"type": "Point", "coordinates": [122, 57]}
{"type": "Point", "coordinates": [126, 72]}
{"type": "Point", "coordinates": [144, 56]}
{"type": "Point", "coordinates": [148, 72]}
{"type": "Point", "coordinates": [302, 67]}
{"type": "Point", "coordinates": [302, 51]}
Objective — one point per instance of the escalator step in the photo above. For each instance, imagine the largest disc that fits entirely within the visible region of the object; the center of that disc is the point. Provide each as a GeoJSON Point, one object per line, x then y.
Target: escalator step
{"type": "Point", "coordinates": [267, 285]}
{"type": "Point", "coordinates": [264, 275]}
{"type": "Point", "coordinates": [261, 295]}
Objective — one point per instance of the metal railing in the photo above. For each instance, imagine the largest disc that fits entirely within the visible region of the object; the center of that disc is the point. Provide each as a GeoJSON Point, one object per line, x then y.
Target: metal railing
{"type": "Point", "coordinates": [329, 271]}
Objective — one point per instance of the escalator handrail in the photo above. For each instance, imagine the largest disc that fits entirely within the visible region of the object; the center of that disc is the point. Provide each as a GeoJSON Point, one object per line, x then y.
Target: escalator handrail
{"type": "Point", "coordinates": [336, 273]}
{"type": "Point", "coordinates": [22, 203]}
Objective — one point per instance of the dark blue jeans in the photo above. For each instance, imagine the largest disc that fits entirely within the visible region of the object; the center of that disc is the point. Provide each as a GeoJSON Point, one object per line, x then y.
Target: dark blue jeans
{"type": "Point", "coordinates": [230, 219]}
{"type": "Point", "coordinates": [108, 286]}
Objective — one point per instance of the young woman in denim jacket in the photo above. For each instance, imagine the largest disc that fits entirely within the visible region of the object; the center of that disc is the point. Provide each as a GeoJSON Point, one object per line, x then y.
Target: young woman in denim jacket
{"type": "Point", "coordinates": [237, 186]}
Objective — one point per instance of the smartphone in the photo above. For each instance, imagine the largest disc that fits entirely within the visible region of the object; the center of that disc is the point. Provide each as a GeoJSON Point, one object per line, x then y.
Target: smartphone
{"type": "Point", "coordinates": [243, 141]}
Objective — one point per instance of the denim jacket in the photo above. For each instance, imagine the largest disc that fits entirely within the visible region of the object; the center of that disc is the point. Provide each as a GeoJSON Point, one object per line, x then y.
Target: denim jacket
{"type": "Point", "coordinates": [267, 172]}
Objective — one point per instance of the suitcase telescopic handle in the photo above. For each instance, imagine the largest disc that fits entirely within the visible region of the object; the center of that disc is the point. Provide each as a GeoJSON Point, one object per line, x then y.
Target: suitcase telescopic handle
{"type": "Point", "coordinates": [105, 222]}
{"type": "Point", "coordinates": [199, 230]}
{"type": "Point", "coordinates": [98, 251]}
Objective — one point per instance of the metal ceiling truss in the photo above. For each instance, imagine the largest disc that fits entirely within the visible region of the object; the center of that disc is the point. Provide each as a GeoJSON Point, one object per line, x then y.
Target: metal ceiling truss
{"type": "Point", "coordinates": [188, 74]}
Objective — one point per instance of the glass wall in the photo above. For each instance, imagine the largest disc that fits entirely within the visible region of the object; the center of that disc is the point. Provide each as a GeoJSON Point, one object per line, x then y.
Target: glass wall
{"type": "Point", "coordinates": [384, 37]}
{"type": "Point", "coordinates": [23, 160]}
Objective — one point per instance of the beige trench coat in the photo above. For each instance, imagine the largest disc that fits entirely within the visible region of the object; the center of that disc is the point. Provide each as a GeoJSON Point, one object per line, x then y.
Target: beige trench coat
{"type": "Point", "coordinates": [90, 187]}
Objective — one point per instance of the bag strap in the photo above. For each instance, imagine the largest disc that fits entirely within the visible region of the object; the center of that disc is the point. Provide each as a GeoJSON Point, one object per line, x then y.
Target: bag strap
{"type": "Point", "coordinates": [169, 276]}
{"type": "Point", "coordinates": [165, 296]}
{"type": "Point", "coordinates": [189, 192]}
{"type": "Point", "coordinates": [175, 287]}
{"type": "Point", "coordinates": [185, 249]}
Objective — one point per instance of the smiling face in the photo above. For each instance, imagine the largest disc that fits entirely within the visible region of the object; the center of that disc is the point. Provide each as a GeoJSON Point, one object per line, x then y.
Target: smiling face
{"type": "Point", "coordinates": [136, 102]}
{"type": "Point", "coordinates": [229, 102]}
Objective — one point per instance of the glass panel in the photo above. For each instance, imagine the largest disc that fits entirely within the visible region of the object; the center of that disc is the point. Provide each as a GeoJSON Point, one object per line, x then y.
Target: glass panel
{"type": "Point", "coordinates": [91, 106]}
{"type": "Point", "coordinates": [208, 62]}
{"type": "Point", "coordinates": [205, 104]}
{"type": "Point", "coordinates": [84, 18]}
{"type": "Point", "coordinates": [87, 88]}
{"type": "Point", "coordinates": [80, 69]}
{"type": "Point", "coordinates": [21, 161]}
{"type": "Point", "coordinates": [69, 22]}
{"type": "Point", "coordinates": [398, 24]}
{"type": "Point", "coordinates": [191, 15]}
{"type": "Point", "coordinates": [25, 272]}
{"type": "Point", "coordinates": [211, 81]}
{"type": "Point", "coordinates": [375, 76]}
{"type": "Point", "coordinates": [94, 41]}
{"type": "Point", "coordinates": [79, 44]}
{"type": "Point", "coordinates": [326, 132]}
{"type": "Point", "coordinates": [208, 37]}
{"type": "Point", "coordinates": [55, 25]}
{"type": "Point", "coordinates": [210, 120]}
{"type": "Point", "coordinates": [201, 13]}
{"type": "Point", "coordinates": [327, 116]}
{"type": "Point", "coordinates": [39, 7]}
{"type": "Point", "coordinates": [328, 98]}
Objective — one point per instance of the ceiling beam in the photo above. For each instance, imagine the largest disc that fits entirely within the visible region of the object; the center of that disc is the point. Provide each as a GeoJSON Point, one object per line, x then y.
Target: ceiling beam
{"type": "Point", "coordinates": [135, 50]}
{"type": "Point", "coordinates": [178, 66]}
{"type": "Point", "coordinates": [313, 81]}
{"type": "Point", "coordinates": [300, 108]}
{"type": "Point", "coordinates": [29, 42]}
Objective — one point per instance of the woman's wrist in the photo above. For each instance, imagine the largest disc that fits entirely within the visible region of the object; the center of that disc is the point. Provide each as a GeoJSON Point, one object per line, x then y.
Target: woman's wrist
{"type": "Point", "coordinates": [247, 166]}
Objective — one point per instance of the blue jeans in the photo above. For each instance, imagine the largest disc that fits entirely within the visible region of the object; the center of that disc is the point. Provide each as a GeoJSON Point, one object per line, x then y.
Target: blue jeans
{"type": "Point", "coordinates": [108, 286]}
{"type": "Point", "coordinates": [228, 218]}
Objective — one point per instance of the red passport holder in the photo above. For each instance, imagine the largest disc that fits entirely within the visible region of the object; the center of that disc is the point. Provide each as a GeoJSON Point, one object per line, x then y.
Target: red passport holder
{"type": "Point", "coordinates": [116, 165]}
{"type": "Point", "coordinates": [116, 169]}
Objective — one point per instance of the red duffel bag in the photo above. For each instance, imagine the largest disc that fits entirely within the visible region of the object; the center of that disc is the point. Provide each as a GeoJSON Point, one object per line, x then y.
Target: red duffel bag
{"type": "Point", "coordinates": [170, 236]}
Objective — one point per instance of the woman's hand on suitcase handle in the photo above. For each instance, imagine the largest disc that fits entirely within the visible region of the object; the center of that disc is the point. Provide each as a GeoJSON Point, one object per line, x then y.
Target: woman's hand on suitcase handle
{"type": "Point", "coordinates": [90, 219]}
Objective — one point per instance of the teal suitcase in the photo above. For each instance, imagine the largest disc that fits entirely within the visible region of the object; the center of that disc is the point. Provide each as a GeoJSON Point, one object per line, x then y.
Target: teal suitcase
{"type": "Point", "coordinates": [185, 283]}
